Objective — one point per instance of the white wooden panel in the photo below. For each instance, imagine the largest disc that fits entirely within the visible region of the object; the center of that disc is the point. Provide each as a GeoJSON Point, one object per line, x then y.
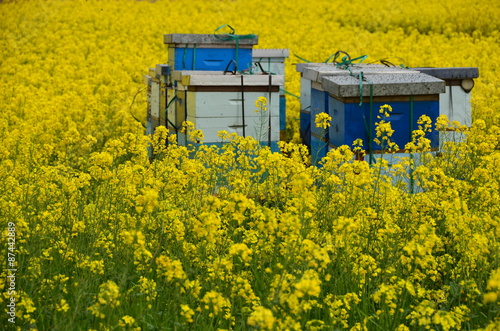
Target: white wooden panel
{"type": "Point", "coordinates": [146, 80]}
{"type": "Point", "coordinates": [155, 99]}
{"type": "Point", "coordinates": [270, 65]}
{"type": "Point", "coordinates": [305, 94]}
{"type": "Point", "coordinates": [276, 54]}
{"type": "Point", "coordinates": [203, 79]}
{"type": "Point", "coordinates": [229, 104]}
{"type": "Point", "coordinates": [211, 127]}
{"type": "Point", "coordinates": [179, 74]}
{"type": "Point", "coordinates": [455, 104]}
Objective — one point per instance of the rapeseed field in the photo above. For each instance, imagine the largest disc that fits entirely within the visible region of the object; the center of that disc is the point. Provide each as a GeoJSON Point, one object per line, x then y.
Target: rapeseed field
{"type": "Point", "coordinates": [96, 236]}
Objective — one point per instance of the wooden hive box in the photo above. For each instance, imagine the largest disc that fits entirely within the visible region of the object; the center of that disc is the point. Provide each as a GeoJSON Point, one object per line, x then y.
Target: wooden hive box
{"type": "Point", "coordinates": [209, 52]}
{"type": "Point", "coordinates": [215, 101]}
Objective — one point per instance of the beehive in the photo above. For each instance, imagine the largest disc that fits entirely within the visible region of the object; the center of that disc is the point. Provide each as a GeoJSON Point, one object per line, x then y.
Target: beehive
{"type": "Point", "coordinates": [410, 95]}
{"type": "Point", "coordinates": [270, 60]}
{"type": "Point", "coordinates": [210, 52]}
{"type": "Point", "coordinates": [215, 101]}
{"type": "Point", "coordinates": [312, 75]}
{"type": "Point", "coordinates": [159, 87]}
{"type": "Point", "coordinates": [273, 61]}
{"type": "Point", "coordinates": [455, 102]}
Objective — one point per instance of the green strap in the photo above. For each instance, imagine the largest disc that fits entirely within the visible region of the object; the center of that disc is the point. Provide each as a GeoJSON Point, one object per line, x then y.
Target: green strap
{"type": "Point", "coordinates": [168, 121]}
{"type": "Point", "coordinates": [346, 59]}
{"type": "Point", "coordinates": [286, 92]}
{"type": "Point", "coordinates": [194, 57]}
{"type": "Point", "coordinates": [166, 114]}
{"type": "Point", "coordinates": [350, 62]}
{"type": "Point", "coordinates": [301, 58]}
{"type": "Point", "coordinates": [344, 62]}
{"type": "Point", "coordinates": [228, 36]}
{"type": "Point", "coordinates": [184, 55]}
{"type": "Point", "coordinates": [336, 55]}
{"type": "Point", "coordinates": [232, 36]}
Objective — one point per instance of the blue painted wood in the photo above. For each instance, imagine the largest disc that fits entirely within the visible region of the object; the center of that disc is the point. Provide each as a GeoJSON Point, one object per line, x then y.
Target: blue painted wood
{"type": "Point", "coordinates": [351, 121]}
{"type": "Point", "coordinates": [212, 59]}
{"type": "Point", "coordinates": [318, 136]}
{"type": "Point", "coordinates": [305, 127]}
{"type": "Point", "coordinates": [319, 104]}
{"type": "Point", "coordinates": [282, 113]}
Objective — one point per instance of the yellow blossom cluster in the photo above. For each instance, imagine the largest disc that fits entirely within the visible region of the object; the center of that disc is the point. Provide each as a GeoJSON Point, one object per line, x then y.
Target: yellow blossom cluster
{"type": "Point", "coordinates": [111, 229]}
{"type": "Point", "coordinates": [322, 120]}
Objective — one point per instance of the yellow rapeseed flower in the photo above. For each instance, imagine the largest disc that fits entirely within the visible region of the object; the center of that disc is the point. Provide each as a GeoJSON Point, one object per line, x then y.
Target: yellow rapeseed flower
{"type": "Point", "coordinates": [261, 318]}
{"type": "Point", "coordinates": [322, 120]}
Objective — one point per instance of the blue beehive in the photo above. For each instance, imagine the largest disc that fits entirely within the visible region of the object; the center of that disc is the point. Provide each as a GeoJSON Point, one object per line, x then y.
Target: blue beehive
{"type": "Point", "coordinates": [208, 52]}
{"type": "Point", "coordinates": [319, 136]}
{"type": "Point", "coordinates": [313, 74]}
{"type": "Point", "coordinates": [409, 95]}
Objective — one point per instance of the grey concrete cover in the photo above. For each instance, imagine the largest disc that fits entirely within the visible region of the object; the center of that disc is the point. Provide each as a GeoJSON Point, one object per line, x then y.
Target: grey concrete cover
{"type": "Point", "coordinates": [450, 73]}
{"type": "Point", "coordinates": [315, 73]}
{"type": "Point", "coordinates": [302, 66]}
{"type": "Point", "coordinates": [271, 52]}
{"type": "Point", "coordinates": [384, 85]}
{"type": "Point", "coordinates": [181, 38]}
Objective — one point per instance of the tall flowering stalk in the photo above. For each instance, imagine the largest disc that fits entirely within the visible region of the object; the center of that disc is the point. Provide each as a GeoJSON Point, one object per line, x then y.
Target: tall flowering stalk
{"type": "Point", "coordinates": [262, 110]}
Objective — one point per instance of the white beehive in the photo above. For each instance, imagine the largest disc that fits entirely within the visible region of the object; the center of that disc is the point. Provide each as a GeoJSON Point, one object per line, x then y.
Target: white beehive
{"type": "Point", "coordinates": [273, 61]}
{"type": "Point", "coordinates": [160, 92]}
{"type": "Point", "coordinates": [215, 101]}
{"type": "Point", "coordinates": [455, 102]}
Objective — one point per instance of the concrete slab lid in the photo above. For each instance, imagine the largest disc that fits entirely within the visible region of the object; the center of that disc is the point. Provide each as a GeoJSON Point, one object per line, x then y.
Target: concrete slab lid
{"type": "Point", "coordinates": [383, 85]}
{"type": "Point", "coordinates": [178, 74]}
{"type": "Point", "coordinates": [200, 39]}
{"type": "Point", "coordinates": [451, 73]}
{"type": "Point", "coordinates": [315, 73]}
{"type": "Point", "coordinates": [271, 52]}
{"type": "Point", "coordinates": [300, 67]}
{"type": "Point", "coordinates": [201, 78]}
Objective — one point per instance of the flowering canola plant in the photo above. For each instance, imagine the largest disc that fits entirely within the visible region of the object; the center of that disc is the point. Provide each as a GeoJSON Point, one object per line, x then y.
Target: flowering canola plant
{"type": "Point", "coordinates": [235, 237]}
